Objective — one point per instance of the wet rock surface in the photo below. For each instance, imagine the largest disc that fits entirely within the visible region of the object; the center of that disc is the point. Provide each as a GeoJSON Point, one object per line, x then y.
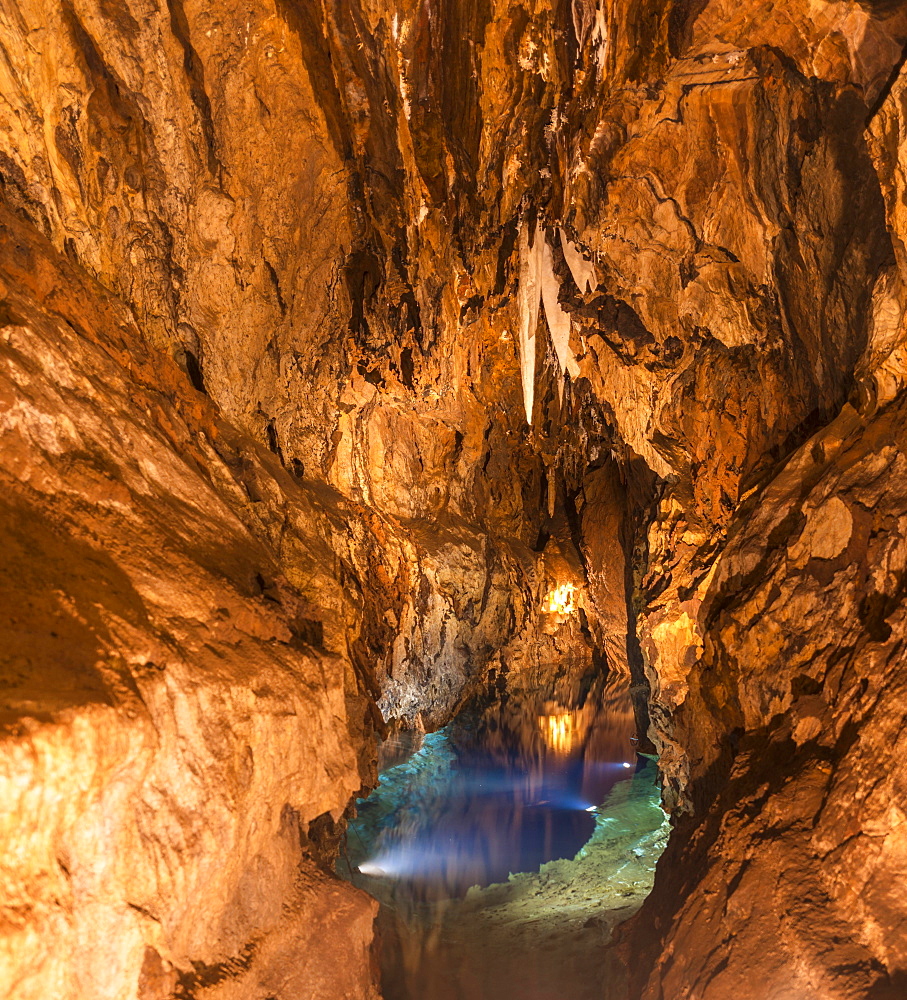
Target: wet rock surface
{"type": "Point", "coordinates": [336, 340]}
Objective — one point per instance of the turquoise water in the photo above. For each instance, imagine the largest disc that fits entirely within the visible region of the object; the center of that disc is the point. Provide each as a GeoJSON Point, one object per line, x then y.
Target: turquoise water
{"type": "Point", "coordinates": [457, 814]}
{"type": "Point", "coordinates": [507, 846]}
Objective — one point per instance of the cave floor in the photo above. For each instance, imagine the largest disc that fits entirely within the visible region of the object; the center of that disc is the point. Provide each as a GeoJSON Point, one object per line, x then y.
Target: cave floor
{"type": "Point", "coordinates": [540, 934]}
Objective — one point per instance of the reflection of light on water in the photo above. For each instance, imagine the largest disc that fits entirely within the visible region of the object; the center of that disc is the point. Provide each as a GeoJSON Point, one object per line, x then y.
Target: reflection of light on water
{"type": "Point", "coordinates": [508, 786]}
{"type": "Point", "coordinates": [559, 731]}
{"type": "Point", "coordinates": [370, 868]}
{"type": "Point", "coordinates": [560, 601]}
{"type": "Point", "coordinates": [405, 859]}
{"type": "Point", "coordinates": [402, 861]}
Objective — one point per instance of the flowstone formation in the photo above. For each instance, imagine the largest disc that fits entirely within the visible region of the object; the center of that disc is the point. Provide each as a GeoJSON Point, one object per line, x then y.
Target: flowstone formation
{"type": "Point", "coordinates": [356, 352]}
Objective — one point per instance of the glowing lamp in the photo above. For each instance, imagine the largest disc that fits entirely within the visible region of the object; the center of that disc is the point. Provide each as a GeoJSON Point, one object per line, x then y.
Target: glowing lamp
{"type": "Point", "coordinates": [561, 600]}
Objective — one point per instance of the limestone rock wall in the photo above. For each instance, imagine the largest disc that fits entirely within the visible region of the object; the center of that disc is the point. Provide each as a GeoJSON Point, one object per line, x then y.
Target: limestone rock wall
{"type": "Point", "coordinates": [171, 729]}
{"type": "Point", "coordinates": [198, 645]}
{"type": "Point", "coordinates": [797, 834]}
{"type": "Point", "coordinates": [243, 180]}
{"type": "Point", "coordinates": [337, 334]}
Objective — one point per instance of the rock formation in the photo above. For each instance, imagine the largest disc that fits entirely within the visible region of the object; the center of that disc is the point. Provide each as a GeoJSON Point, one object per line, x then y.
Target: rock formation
{"type": "Point", "coordinates": [336, 336]}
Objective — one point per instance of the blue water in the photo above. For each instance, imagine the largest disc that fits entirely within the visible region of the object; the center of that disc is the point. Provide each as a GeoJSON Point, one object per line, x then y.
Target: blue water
{"type": "Point", "coordinates": [505, 788]}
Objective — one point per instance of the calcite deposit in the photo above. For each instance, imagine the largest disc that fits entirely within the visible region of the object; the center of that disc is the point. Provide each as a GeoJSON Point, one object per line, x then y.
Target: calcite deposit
{"type": "Point", "coordinates": [335, 337]}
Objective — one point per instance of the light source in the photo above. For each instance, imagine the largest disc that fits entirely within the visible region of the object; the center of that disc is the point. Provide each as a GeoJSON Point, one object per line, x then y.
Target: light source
{"type": "Point", "coordinates": [560, 600]}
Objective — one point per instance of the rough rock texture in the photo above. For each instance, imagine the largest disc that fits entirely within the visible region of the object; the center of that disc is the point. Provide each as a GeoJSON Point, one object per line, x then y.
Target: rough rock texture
{"type": "Point", "coordinates": [170, 728]}
{"type": "Point", "coordinates": [197, 626]}
{"type": "Point", "coordinates": [336, 336]}
{"type": "Point", "coordinates": [793, 857]}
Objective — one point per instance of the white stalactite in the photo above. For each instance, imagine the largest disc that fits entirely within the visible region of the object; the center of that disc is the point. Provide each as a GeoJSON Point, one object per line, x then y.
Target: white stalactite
{"type": "Point", "coordinates": [600, 40]}
{"type": "Point", "coordinates": [529, 295]}
{"type": "Point", "coordinates": [583, 270]}
{"type": "Point", "coordinates": [558, 319]}
{"type": "Point", "coordinates": [539, 283]}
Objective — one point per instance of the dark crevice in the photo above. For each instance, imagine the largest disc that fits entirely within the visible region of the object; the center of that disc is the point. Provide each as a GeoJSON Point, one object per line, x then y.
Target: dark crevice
{"type": "Point", "coordinates": [301, 17]}
{"type": "Point", "coordinates": [195, 72]}
{"type": "Point", "coordinates": [276, 283]}
{"type": "Point", "coordinates": [407, 368]}
{"type": "Point", "coordinates": [888, 86]}
{"type": "Point", "coordinates": [14, 191]}
{"type": "Point", "coordinates": [505, 252]}
{"type": "Point", "coordinates": [364, 276]}
{"type": "Point", "coordinates": [203, 976]}
{"type": "Point", "coordinates": [194, 371]}
{"type": "Point", "coordinates": [273, 440]}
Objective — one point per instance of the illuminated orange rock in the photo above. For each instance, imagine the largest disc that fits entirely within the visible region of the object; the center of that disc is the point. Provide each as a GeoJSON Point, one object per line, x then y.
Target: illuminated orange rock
{"type": "Point", "coordinates": [335, 340]}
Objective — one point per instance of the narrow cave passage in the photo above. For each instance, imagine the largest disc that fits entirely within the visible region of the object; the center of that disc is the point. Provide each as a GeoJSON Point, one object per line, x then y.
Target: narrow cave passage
{"type": "Point", "coordinates": [352, 351]}
{"type": "Point", "coordinates": [505, 847]}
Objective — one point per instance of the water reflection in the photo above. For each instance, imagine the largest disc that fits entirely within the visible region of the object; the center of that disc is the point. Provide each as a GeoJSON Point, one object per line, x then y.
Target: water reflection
{"type": "Point", "coordinates": [559, 731]}
{"type": "Point", "coordinates": [509, 785]}
{"type": "Point", "coordinates": [513, 783]}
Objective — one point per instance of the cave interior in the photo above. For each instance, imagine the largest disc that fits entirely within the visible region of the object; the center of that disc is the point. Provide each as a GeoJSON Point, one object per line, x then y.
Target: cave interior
{"type": "Point", "coordinates": [398, 395]}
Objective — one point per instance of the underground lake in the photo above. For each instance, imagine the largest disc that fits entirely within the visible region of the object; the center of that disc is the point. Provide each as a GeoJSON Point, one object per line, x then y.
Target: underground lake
{"type": "Point", "coordinates": [505, 847]}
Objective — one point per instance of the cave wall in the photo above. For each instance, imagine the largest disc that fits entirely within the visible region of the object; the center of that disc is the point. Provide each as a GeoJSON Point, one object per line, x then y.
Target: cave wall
{"type": "Point", "coordinates": [222, 174]}
{"type": "Point", "coordinates": [171, 731]}
{"type": "Point", "coordinates": [335, 335]}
